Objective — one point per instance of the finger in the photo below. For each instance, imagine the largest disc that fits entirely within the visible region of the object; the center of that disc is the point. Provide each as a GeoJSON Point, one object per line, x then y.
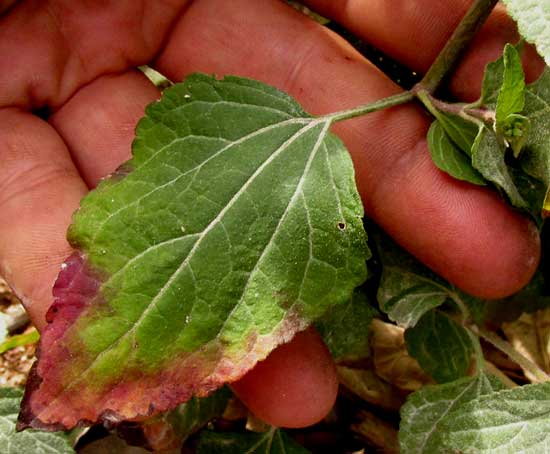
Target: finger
{"type": "Point", "coordinates": [414, 32]}
{"type": "Point", "coordinates": [98, 122]}
{"type": "Point", "coordinates": [465, 233]}
{"type": "Point", "coordinates": [296, 386]}
{"type": "Point", "coordinates": [39, 190]}
{"type": "Point", "coordinates": [50, 49]}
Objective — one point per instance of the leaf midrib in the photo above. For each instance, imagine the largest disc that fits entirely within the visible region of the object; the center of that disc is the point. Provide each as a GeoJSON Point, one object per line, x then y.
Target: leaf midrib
{"type": "Point", "coordinates": [310, 124]}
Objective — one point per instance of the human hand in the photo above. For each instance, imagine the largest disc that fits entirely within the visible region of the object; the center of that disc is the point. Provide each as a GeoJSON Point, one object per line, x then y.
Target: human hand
{"type": "Point", "coordinates": [74, 63]}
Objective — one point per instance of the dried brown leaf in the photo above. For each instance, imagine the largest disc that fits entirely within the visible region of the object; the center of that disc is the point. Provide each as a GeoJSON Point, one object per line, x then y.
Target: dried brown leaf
{"type": "Point", "coordinates": [391, 359]}
{"type": "Point", "coordinates": [377, 432]}
{"type": "Point", "coordinates": [530, 336]}
{"type": "Point", "coordinates": [371, 388]}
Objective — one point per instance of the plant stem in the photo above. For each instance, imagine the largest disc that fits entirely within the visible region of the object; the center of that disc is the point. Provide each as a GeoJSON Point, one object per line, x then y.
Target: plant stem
{"type": "Point", "coordinates": [458, 42]}
{"type": "Point", "coordinates": [463, 110]}
{"type": "Point", "coordinates": [381, 104]}
{"type": "Point", "coordinates": [512, 353]}
{"type": "Point", "coordinates": [480, 358]}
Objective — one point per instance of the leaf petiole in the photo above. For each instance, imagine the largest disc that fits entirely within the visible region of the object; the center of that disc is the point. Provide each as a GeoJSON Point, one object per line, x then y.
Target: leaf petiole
{"type": "Point", "coordinates": [465, 111]}
{"type": "Point", "coordinates": [381, 104]}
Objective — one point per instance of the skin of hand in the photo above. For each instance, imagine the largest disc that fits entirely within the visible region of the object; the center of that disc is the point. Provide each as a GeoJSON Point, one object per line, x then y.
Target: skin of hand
{"type": "Point", "coordinates": [73, 63]}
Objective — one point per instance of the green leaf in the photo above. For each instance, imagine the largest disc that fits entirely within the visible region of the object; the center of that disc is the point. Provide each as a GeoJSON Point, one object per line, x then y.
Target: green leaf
{"type": "Point", "coordinates": [511, 96]}
{"type": "Point", "coordinates": [515, 129]}
{"type": "Point", "coordinates": [441, 346]}
{"type": "Point", "coordinates": [488, 159]}
{"type": "Point", "coordinates": [345, 330]}
{"type": "Point", "coordinates": [509, 421]}
{"type": "Point", "coordinates": [19, 339]}
{"type": "Point", "coordinates": [448, 157]}
{"type": "Point", "coordinates": [235, 225]}
{"type": "Point", "coordinates": [29, 441]}
{"type": "Point", "coordinates": [535, 160]}
{"type": "Point", "coordinates": [533, 18]}
{"type": "Point", "coordinates": [426, 411]}
{"type": "Point", "coordinates": [461, 132]}
{"type": "Point", "coordinates": [407, 288]}
{"type": "Point", "coordinates": [171, 429]}
{"type": "Point", "coordinates": [273, 442]}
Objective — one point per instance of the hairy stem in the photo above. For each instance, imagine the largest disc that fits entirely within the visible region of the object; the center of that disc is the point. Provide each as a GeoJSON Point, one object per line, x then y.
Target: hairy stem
{"type": "Point", "coordinates": [458, 42]}
{"type": "Point", "coordinates": [512, 353]}
{"type": "Point", "coordinates": [381, 104]}
{"type": "Point", "coordinates": [463, 110]}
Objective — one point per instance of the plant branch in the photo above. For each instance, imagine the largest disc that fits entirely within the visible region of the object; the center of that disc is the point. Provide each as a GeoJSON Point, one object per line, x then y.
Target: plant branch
{"type": "Point", "coordinates": [512, 353]}
{"type": "Point", "coordinates": [458, 42]}
{"type": "Point", "coordinates": [381, 104]}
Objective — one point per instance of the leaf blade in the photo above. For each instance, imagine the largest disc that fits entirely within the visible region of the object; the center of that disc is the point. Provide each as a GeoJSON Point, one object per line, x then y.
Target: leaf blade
{"type": "Point", "coordinates": [235, 199]}
{"type": "Point", "coordinates": [425, 411]}
{"type": "Point", "coordinates": [448, 158]}
{"type": "Point", "coordinates": [533, 19]}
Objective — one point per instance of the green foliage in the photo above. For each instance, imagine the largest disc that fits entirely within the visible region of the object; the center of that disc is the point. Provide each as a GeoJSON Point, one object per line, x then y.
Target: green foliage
{"type": "Point", "coordinates": [442, 347]}
{"type": "Point", "coordinates": [448, 156]}
{"type": "Point", "coordinates": [236, 223]}
{"type": "Point", "coordinates": [30, 441]}
{"type": "Point", "coordinates": [408, 289]}
{"type": "Point", "coordinates": [488, 159]}
{"type": "Point", "coordinates": [429, 411]}
{"type": "Point", "coordinates": [345, 330]}
{"type": "Point", "coordinates": [509, 421]}
{"type": "Point", "coordinates": [533, 18]}
{"type": "Point", "coordinates": [274, 441]}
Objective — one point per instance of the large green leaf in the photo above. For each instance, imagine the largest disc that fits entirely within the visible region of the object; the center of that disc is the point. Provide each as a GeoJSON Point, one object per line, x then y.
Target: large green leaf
{"type": "Point", "coordinates": [236, 224]}
{"type": "Point", "coordinates": [533, 18]}
{"type": "Point", "coordinates": [510, 421]}
{"type": "Point", "coordinates": [441, 346]}
{"type": "Point", "coordinates": [30, 441]}
{"type": "Point", "coordinates": [426, 411]}
{"type": "Point", "coordinates": [449, 158]}
{"type": "Point", "coordinates": [274, 441]}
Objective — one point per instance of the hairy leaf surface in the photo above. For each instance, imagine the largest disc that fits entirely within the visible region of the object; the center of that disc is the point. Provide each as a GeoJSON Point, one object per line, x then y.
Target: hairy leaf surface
{"type": "Point", "coordinates": [533, 18]}
{"type": "Point", "coordinates": [441, 346]}
{"type": "Point", "coordinates": [345, 330]}
{"type": "Point", "coordinates": [426, 411]}
{"type": "Point", "coordinates": [509, 421]}
{"type": "Point", "coordinates": [30, 441]}
{"type": "Point", "coordinates": [408, 289]}
{"type": "Point", "coordinates": [274, 441]}
{"type": "Point", "coordinates": [449, 158]}
{"type": "Point", "coordinates": [236, 224]}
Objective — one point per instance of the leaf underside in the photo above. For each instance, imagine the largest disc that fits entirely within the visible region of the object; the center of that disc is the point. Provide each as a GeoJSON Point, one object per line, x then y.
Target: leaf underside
{"type": "Point", "coordinates": [428, 410]}
{"type": "Point", "coordinates": [236, 224]}
{"type": "Point", "coordinates": [31, 441]}
{"type": "Point", "coordinates": [533, 18]}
